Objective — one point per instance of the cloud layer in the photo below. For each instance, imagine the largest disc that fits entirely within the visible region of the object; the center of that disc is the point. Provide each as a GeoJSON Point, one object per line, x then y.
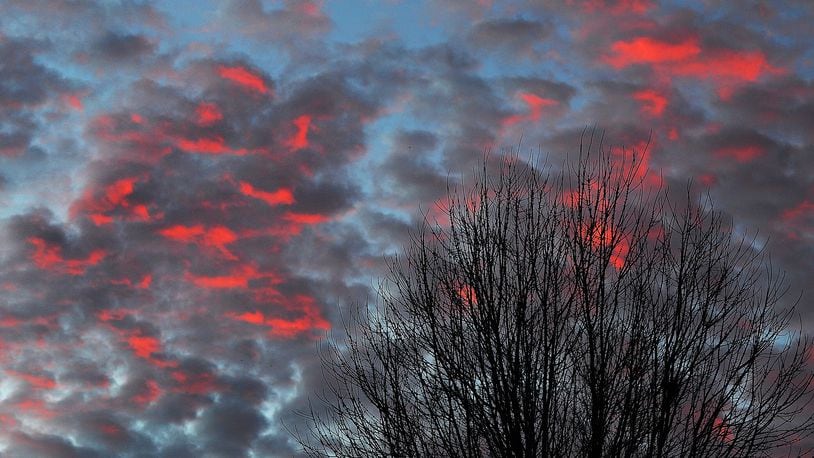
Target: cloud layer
{"type": "Point", "coordinates": [190, 198]}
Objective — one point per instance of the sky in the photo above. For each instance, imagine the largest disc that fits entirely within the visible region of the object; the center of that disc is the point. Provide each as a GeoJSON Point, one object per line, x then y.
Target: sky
{"type": "Point", "coordinates": [192, 192]}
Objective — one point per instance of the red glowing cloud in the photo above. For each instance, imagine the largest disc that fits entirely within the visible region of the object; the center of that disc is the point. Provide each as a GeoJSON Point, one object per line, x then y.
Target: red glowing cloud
{"type": "Point", "coordinates": [306, 218]}
{"type": "Point", "coordinates": [653, 103]}
{"type": "Point", "coordinates": [237, 278]}
{"type": "Point", "coordinates": [149, 393]}
{"type": "Point", "coordinates": [645, 50]}
{"type": "Point", "coordinates": [49, 257]}
{"type": "Point", "coordinates": [243, 78]}
{"type": "Point", "coordinates": [36, 381]}
{"type": "Point", "coordinates": [207, 113]}
{"type": "Point", "coordinates": [143, 283]}
{"type": "Point", "coordinates": [796, 220]}
{"type": "Point", "coordinates": [35, 407]}
{"type": "Point", "coordinates": [467, 295]}
{"type": "Point", "coordinates": [278, 197]}
{"type": "Point", "coordinates": [214, 145]}
{"type": "Point", "coordinates": [686, 58]}
{"type": "Point", "coordinates": [741, 154]}
{"type": "Point", "coordinates": [214, 237]}
{"type": "Point", "coordinates": [143, 346]}
{"type": "Point", "coordinates": [310, 319]}
{"type": "Point", "coordinates": [182, 233]}
{"type": "Point", "coordinates": [601, 236]}
{"type": "Point", "coordinates": [114, 195]}
{"type": "Point", "coordinates": [118, 191]}
{"type": "Point", "coordinates": [300, 138]}
{"type": "Point", "coordinates": [534, 104]}
{"type": "Point", "coordinates": [743, 66]}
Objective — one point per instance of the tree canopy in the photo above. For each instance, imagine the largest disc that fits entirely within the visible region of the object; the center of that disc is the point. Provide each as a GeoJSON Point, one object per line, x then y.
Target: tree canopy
{"type": "Point", "coordinates": [572, 312]}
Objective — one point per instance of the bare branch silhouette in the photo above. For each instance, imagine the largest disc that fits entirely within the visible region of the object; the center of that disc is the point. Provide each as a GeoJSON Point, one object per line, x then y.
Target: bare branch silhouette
{"type": "Point", "coordinates": [578, 313]}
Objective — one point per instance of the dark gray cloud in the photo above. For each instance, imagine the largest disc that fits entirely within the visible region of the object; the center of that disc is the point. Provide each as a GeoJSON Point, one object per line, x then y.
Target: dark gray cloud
{"type": "Point", "coordinates": [117, 47]}
{"type": "Point", "coordinates": [518, 36]}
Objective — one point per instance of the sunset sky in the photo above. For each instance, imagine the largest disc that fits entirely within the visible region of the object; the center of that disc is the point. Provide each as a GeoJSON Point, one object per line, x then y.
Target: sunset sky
{"type": "Point", "coordinates": [191, 191]}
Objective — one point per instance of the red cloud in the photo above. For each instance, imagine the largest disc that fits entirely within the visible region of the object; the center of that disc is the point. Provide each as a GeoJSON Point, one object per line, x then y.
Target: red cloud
{"type": "Point", "coordinates": [278, 197]}
{"type": "Point", "coordinates": [686, 58]}
{"type": "Point", "coordinates": [143, 346]}
{"type": "Point", "coordinates": [535, 105]}
{"type": "Point", "coordinates": [306, 218]}
{"type": "Point", "coordinates": [743, 66]}
{"type": "Point", "coordinates": [214, 145]}
{"type": "Point", "coordinates": [310, 319]}
{"type": "Point", "coordinates": [149, 393]}
{"type": "Point", "coordinates": [207, 113]}
{"type": "Point", "coordinates": [467, 294]}
{"type": "Point", "coordinates": [796, 219]}
{"type": "Point", "coordinates": [119, 190]}
{"type": "Point", "coordinates": [653, 103]}
{"type": "Point", "coordinates": [300, 138]}
{"type": "Point", "coordinates": [39, 382]}
{"type": "Point", "coordinates": [144, 283]}
{"type": "Point", "coordinates": [645, 50]}
{"type": "Point", "coordinates": [237, 278]}
{"type": "Point", "coordinates": [244, 78]}
{"type": "Point", "coordinates": [114, 195]}
{"type": "Point", "coordinates": [182, 233]}
{"type": "Point", "coordinates": [741, 153]}
{"type": "Point", "coordinates": [49, 257]}
{"type": "Point", "coordinates": [215, 237]}
{"type": "Point", "coordinates": [36, 407]}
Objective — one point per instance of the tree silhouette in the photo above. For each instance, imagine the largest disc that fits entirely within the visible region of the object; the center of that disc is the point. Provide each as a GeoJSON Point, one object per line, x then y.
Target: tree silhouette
{"type": "Point", "coordinates": [570, 313]}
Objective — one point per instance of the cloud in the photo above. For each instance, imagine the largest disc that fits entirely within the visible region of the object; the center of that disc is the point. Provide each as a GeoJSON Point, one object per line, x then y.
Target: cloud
{"type": "Point", "coordinates": [185, 216]}
{"type": "Point", "coordinates": [116, 47]}
{"type": "Point", "coordinates": [519, 36]}
{"type": "Point", "coordinates": [294, 27]}
{"type": "Point", "coordinates": [25, 86]}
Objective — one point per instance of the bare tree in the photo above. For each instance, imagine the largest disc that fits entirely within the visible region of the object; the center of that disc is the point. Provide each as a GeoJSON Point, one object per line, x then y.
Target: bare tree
{"type": "Point", "coordinates": [577, 313]}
